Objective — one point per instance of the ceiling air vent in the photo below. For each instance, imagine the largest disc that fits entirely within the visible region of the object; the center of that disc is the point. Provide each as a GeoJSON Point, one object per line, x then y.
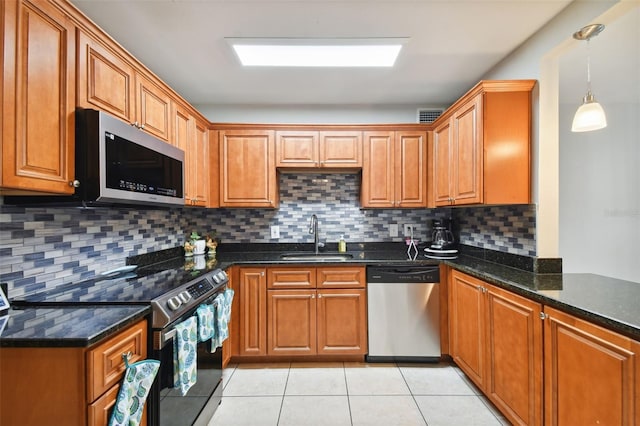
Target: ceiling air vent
{"type": "Point", "coordinates": [428, 115]}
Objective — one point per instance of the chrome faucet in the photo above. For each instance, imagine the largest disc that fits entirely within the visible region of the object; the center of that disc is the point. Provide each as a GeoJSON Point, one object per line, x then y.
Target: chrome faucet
{"type": "Point", "coordinates": [313, 229]}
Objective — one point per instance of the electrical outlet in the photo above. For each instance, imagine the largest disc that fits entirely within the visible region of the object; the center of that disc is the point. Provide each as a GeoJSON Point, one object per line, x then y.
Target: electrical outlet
{"type": "Point", "coordinates": [407, 229]}
{"type": "Point", "coordinates": [275, 231]}
{"type": "Point", "coordinates": [393, 229]}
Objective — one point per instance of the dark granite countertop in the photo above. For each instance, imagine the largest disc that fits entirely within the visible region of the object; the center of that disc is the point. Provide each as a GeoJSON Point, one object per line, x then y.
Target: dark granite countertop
{"type": "Point", "coordinates": [66, 326]}
{"type": "Point", "coordinates": [609, 302]}
{"type": "Point", "coordinates": [362, 253]}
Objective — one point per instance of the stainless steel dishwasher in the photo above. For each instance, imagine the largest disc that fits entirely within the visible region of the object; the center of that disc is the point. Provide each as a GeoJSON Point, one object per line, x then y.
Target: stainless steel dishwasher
{"type": "Point", "coordinates": [403, 313]}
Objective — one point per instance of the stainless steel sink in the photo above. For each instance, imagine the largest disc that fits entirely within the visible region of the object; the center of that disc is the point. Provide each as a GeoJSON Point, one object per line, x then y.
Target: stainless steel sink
{"type": "Point", "coordinates": [321, 257]}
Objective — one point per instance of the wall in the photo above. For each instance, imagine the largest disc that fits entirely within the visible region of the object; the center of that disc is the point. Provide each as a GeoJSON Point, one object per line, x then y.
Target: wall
{"type": "Point", "coordinates": [537, 58]}
{"type": "Point", "coordinates": [313, 114]}
{"type": "Point", "coordinates": [41, 248]}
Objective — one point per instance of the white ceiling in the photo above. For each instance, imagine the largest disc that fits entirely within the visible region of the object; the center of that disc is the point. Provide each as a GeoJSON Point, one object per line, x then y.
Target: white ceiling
{"type": "Point", "coordinates": [452, 44]}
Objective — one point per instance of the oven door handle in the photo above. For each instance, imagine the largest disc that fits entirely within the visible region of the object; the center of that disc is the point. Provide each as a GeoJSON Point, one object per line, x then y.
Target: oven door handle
{"type": "Point", "coordinates": [160, 338]}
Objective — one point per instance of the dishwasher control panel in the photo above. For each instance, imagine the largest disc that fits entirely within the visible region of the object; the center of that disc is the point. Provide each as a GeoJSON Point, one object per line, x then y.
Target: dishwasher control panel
{"type": "Point", "coordinates": [403, 274]}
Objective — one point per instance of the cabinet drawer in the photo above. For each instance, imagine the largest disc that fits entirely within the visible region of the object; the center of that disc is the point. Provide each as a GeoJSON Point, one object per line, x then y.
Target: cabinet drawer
{"type": "Point", "coordinates": [99, 412]}
{"type": "Point", "coordinates": [341, 277]}
{"type": "Point", "coordinates": [294, 277]}
{"type": "Point", "coordinates": [105, 365]}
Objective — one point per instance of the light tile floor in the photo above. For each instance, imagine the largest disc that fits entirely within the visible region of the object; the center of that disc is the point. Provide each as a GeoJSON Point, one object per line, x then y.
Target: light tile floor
{"type": "Point", "coordinates": [351, 394]}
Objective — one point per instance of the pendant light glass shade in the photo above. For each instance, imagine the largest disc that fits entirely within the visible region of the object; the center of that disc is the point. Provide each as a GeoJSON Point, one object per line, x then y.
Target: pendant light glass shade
{"type": "Point", "coordinates": [589, 116]}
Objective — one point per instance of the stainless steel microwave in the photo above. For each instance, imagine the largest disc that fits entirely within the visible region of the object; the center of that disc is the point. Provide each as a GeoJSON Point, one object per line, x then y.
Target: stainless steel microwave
{"type": "Point", "coordinates": [117, 163]}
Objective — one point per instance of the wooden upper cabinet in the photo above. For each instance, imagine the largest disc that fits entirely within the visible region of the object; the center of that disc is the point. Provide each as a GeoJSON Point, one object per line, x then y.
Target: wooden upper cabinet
{"type": "Point", "coordinates": [482, 144]}
{"type": "Point", "coordinates": [192, 136]}
{"type": "Point", "coordinates": [38, 99]}
{"type": "Point", "coordinates": [297, 148]}
{"type": "Point", "coordinates": [247, 169]}
{"type": "Point", "coordinates": [340, 149]}
{"type": "Point", "coordinates": [394, 170]}
{"type": "Point", "coordinates": [106, 81]}
{"type": "Point", "coordinates": [153, 107]}
{"type": "Point", "coordinates": [213, 169]}
{"type": "Point", "coordinates": [310, 148]}
{"type": "Point", "coordinates": [411, 169]}
{"type": "Point", "coordinates": [198, 164]}
{"type": "Point", "coordinates": [466, 153]}
{"type": "Point", "coordinates": [378, 171]}
{"type": "Point", "coordinates": [442, 164]}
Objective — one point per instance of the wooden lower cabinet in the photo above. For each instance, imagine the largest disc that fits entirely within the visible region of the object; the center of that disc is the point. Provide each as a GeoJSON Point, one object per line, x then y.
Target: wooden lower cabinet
{"type": "Point", "coordinates": [301, 311]}
{"type": "Point", "coordinates": [342, 322]}
{"type": "Point", "coordinates": [67, 386]}
{"type": "Point", "coordinates": [591, 374]}
{"type": "Point", "coordinates": [496, 339]}
{"type": "Point", "coordinates": [292, 322]}
{"type": "Point", "coordinates": [252, 333]}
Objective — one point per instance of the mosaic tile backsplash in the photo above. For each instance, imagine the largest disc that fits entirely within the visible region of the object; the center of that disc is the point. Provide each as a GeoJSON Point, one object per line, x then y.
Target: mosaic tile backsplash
{"type": "Point", "coordinates": [41, 248]}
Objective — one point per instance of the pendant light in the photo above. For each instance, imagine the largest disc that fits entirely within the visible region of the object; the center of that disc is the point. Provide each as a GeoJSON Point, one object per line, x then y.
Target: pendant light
{"type": "Point", "coordinates": [590, 115]}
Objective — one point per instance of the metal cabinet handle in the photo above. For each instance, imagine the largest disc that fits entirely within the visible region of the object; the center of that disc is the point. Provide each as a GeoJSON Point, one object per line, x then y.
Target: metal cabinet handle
{"type": "Point", "coordinates": [74, 183]}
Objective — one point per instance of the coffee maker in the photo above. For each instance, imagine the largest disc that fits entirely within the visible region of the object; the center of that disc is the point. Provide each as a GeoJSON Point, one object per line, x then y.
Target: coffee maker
{"type": "Point", "coordinates": [443, 244]}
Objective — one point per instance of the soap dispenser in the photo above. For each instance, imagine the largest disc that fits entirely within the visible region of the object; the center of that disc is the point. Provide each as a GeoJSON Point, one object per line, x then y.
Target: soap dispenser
{"type": "Point", "coordinates": [342, 245]}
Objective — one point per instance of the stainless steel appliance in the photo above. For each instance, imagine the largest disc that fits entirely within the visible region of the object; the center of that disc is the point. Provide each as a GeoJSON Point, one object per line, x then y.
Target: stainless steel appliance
{"type": "Point", "coordinates": [403, 313]}
{"type": "Point", "coordinates": [443, 244]}
{"type": "Point", "coordinates": [118, 163]}
{"type": "Point", "coordinates": [173, 294]}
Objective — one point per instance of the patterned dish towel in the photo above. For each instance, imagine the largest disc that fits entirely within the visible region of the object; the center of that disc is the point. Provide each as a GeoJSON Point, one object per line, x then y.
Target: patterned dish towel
{"type": "Point", "coordinates": [133, 392]}
{"type": "Point", "coordinates": [222, 304]}
{"type": "Point", "coordinates": [184, 355]}
{"type": "Point", "coordinates": [206, 322]}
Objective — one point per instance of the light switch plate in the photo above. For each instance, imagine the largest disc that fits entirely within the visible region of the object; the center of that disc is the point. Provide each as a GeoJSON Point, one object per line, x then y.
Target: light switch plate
{"type": "Point", "coordinates": [275, 231]}
{"type": "Point", "coordinates": [393, 229]}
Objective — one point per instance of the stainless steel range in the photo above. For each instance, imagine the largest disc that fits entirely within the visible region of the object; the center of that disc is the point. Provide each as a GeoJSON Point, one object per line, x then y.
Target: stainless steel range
{"type": "Point", "coordinates": [173, 293]}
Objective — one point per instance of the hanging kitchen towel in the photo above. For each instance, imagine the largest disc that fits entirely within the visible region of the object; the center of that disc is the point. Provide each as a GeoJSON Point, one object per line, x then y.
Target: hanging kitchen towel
{"type": "Point", "coordinates": [206, 322]}
{"type": "Point", "coordinates": [133, 392]}
{"type": "Point", "coordinates": [184, 355]}
{"type": "Point", "coordinates": [222, 304]}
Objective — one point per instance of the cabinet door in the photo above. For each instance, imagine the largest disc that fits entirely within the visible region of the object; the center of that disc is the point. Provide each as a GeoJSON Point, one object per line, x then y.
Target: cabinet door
{"type": "Point", "coordinates": [247, 169]}
{"type": "Point", "coordinates": [153, 108]}
{"type": "Point", "coordinates": [38, 99]}
{"type": "Point", "coordinates": [411, 169]}
{"type": "Point", "coordinates": [292, 322]}
{"type": "Point", "coordinates": [442, 175]}
{"type": "Point", "coordinates": [198, 152]}
{"type": "Point", "coordinates": [378, 170]}
{"type": "Point", "coordinates": [341, 149]}
{"type": "Point", "coordinates": [467, 153]}
{"type": "Point", "coordinates": [342, 322]}
{"type": "Point", "coordinates": [253, 312]}
{"type": "Point", "coordinates": [105, 80]}
{"type": "Point", "coordinates": [591, 374]}
{"type": "Point", "coordinates": [297, 148]}
{"type": "Point", "coordinates": [214, 169]}
{"type": "Point", "coordinates": [341, 277]}
{"type": "Point", "coordinates": [514, 379]}
{"type": "Point", "coordinates": [467, 326]}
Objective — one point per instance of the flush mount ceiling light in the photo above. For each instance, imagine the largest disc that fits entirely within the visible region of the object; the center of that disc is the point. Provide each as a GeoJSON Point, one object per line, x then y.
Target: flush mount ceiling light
{"type": "Point", "coordinates": [318, 52]}
{"type": "Point", "coordinates": [590, 115]}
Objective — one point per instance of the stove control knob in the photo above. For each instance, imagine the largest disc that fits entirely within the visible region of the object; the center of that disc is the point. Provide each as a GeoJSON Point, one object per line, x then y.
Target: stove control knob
{"type": "Point", "coordinates": [174, 303]}
{"type": "Point", "coordinates": [221, 276]}
{"type": "Point", "coordinates": [216, 279]}
{"type": "Point", "coordinates": [184, 296]}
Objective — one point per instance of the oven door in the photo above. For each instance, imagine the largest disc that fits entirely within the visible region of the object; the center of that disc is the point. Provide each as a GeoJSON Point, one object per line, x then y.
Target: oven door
{"type": "Point", "coordinates": [199, 404]}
